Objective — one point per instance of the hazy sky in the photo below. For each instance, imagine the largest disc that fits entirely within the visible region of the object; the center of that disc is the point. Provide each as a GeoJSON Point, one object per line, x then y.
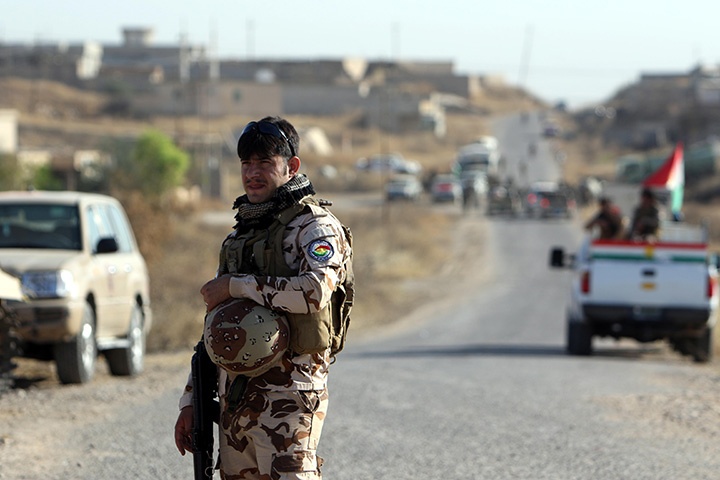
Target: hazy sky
{"type": "Point", "coordinates": [576, 50]}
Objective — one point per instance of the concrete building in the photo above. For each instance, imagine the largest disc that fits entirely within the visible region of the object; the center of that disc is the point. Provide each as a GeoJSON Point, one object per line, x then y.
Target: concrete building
{"type": "Point", "coordinates": [182, 79]}
{"type": "Point", "coordinates": [705, 85]}
{"type": "Point", "coordinates": [70, 64]}
{"type": "Point", "coordinates": [8, 131]}
{"type": "Point", "coordinates": [209, 99]}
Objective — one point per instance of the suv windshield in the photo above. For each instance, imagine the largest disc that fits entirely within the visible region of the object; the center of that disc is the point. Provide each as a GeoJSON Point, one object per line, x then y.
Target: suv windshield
{"type": "Point", "coordinates": [39, 226]}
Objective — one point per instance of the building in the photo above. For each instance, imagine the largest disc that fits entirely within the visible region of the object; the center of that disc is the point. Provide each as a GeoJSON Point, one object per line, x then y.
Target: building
{"type": "Point", "coordinates": [147, 79]}
{"type": "Point", "coordinates": [8, 132]}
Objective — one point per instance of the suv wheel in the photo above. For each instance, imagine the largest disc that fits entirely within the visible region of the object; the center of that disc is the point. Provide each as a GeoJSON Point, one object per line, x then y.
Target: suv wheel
{"type": "Point", "coordinates": [129, 361]}
{"type": "Point", "coordinates": [76, 359]}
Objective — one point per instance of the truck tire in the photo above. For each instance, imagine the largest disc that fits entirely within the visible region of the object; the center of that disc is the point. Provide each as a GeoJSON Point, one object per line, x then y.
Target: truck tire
{"type": "Point", "coordinates": [702, 347]}
{"type": "Point", "coordinates": [579, 338]}
{"type": "Point", "coordinates": [76, 360]}
{"type": "Point", "coordinates": [129, 361]}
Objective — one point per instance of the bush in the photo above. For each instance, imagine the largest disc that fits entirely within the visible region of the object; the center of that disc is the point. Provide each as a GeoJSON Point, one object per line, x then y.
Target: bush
{"type": "Point", "coordinates": [154, 167]}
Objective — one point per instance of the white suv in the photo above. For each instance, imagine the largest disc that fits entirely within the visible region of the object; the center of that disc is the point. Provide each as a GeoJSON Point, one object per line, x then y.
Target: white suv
{"type": "Point", "coordinates": [85, 283]}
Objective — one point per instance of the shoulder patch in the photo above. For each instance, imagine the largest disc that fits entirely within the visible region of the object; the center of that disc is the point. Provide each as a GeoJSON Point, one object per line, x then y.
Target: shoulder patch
{"type": "Point", "coordinates": [321, 250]}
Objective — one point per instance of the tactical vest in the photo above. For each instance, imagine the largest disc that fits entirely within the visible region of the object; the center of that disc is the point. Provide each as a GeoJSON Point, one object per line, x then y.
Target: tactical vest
{"type": "Point", "coordinates": [260, 252]}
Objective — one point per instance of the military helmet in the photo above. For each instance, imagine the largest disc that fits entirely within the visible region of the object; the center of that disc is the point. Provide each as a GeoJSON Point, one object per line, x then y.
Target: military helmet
{"type": "Point", "coordinates": [244, 337]}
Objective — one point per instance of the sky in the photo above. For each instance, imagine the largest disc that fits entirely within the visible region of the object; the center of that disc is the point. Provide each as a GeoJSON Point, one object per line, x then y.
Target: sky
{"type": "Point", "coordinates": [576, 51]}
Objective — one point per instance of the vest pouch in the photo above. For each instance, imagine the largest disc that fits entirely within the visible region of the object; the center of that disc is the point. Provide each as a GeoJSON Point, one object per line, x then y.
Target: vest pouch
{"type": "Point", "coordinates": [310, 333]}
{"type": "Point", "coordinates": [340, 319]}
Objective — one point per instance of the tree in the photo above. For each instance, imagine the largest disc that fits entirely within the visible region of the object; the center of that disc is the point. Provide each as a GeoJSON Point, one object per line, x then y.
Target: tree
{"type": "Point", "coordinates": [9, 173]}
{"type": "Point", "coordinates": [44, 179]}
{"type": "Point", "coordinates": [14, 176]}
{"type": "Point", "coordinates": [155, 165]}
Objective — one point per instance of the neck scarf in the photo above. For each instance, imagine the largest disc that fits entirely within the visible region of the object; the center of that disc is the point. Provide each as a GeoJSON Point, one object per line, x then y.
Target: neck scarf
{"type": "Point", "coordinates": [259, 215]}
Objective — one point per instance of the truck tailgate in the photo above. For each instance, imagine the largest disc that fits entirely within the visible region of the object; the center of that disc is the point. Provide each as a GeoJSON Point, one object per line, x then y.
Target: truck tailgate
{"type": "Point", "coordinates": [656, 284]}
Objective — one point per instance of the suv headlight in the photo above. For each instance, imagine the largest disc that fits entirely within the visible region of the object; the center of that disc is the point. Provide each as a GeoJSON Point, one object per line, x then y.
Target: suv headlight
{"type": "Point", "coordinates": [55, 284]}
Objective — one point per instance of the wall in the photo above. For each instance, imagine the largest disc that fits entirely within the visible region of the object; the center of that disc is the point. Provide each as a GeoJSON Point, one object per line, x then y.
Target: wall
{"type": "Point", "coordinates": [321, 99]}
{"type": "Point", "coordinates": [8, 131]}
{"type": "Point", "coordinates": [210, 99]}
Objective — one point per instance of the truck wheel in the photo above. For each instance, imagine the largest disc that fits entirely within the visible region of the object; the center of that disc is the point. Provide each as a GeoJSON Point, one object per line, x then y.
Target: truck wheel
{"type": "Point", "coordinates": [702, 347]}
{"type": "Point", "coordinates": [129, 361]}
{"type": "Point", "coordinates": [75, 360]}
{"type": "Point", "coordinates": [682, 345]}
{"type": "Point", "coordinates": [579, 338]}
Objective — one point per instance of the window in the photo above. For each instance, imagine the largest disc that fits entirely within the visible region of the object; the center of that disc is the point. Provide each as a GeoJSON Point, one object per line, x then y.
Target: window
{"type": "Point", "coordinates": [121, 229]}
{"type": "Point", "coordinates": [98, 225]}
{"type": "Point", "coordinates": [39, 226]}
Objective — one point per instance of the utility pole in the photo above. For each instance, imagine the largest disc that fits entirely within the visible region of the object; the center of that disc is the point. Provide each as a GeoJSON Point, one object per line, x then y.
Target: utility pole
{"type": "Point", "coordinates": [395, 42]}
{"type": "Point", "coordinates": [525, 58]}
{"type": "Point", "coordinates": [250, 39]}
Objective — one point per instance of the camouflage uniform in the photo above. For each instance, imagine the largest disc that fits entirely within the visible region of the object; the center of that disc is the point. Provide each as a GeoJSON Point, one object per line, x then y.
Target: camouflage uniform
{"type": "Point", "coordinates": [646, 221]}
{"type": "Point", "coordinates": [274, 432]}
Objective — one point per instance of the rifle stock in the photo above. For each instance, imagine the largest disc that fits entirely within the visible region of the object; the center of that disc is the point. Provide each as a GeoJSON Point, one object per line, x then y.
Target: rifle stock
{"type": "Point", "coordinates": [205, 411]}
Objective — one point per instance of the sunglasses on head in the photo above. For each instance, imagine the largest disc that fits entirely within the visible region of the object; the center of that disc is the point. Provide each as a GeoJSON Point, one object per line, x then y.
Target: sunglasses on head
{"type": "Point", "coordinates": [267, 128]}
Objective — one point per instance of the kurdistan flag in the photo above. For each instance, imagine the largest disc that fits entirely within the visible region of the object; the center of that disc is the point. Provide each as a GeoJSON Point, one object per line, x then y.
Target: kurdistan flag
{"type": "Point", "coordinates": [671, 177]}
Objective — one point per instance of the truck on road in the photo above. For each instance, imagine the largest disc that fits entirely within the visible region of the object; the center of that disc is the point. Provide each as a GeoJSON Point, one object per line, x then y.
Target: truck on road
{"type": "Point", "coordinates": [665, 289]}
{"type": "Point", "coordinates": [483, 157]}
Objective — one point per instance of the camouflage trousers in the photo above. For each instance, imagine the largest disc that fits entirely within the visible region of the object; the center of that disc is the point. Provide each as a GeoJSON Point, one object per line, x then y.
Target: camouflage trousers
{"type": "Point", "coordinates": [273, 435]}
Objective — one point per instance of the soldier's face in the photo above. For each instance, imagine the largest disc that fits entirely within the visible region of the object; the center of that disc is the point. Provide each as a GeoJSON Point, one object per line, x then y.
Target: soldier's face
{"type": "Point", "coordinates": [261, 176]}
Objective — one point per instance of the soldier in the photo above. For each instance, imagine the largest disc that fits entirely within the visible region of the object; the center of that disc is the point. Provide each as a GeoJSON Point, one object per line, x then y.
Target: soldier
{"type": "Point", "coordinates": [646, 217]}
{"type": "Point", "coordinates": [608, 220]}
{"type": "Point", "coordinates": [270, 426]}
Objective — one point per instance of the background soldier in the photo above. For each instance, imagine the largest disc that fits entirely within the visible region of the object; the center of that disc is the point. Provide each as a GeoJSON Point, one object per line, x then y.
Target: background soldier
{"type": "Point", "coordinates": [270, 427]}
{"type": "Point", "coordinates": [608, 220]}
{"type": "Point", "coordinates": [646, 217]}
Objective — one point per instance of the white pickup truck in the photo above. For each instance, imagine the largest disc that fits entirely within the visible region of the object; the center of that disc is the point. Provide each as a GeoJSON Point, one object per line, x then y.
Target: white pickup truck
{"type": "Point", "coordinates": [661, 290]}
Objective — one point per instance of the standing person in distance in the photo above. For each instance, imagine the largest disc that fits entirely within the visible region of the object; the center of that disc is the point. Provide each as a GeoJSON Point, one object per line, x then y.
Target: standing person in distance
{"type": "Point", "coordinates": [270, 427]}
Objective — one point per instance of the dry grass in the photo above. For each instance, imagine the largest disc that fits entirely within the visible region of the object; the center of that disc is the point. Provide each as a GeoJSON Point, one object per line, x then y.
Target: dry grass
{"type": "Point", "coordinates": [402, 244]}
{"type": "Point", "coordinates": [405, 244]}
{"type": "Point", "coordinates": [189, 259]}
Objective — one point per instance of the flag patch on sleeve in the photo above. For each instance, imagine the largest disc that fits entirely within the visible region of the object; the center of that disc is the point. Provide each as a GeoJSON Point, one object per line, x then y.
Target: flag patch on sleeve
{"type": "Point", "coordinates": [321, 250]}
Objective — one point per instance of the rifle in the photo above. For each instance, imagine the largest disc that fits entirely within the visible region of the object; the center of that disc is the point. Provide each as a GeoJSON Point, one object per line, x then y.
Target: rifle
{"type": "Point", "coordinates": [206, 410]}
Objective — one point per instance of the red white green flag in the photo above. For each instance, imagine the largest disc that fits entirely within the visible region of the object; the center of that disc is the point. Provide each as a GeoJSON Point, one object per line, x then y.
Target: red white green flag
{"type": "Point", "coordinates": [670, 176]}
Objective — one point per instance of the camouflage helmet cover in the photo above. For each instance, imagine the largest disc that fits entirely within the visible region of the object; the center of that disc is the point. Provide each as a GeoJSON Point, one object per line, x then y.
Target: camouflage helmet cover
{"type": "Point", "coordinates": [244, 337]}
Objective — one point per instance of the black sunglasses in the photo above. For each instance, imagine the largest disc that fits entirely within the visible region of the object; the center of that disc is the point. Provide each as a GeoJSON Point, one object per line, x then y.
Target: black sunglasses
{"type": "Point", "coordinates": [267, 128]}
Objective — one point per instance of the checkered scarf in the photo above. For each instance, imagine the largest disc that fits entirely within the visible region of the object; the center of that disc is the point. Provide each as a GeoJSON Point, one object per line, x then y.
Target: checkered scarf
{"type": "Point", "coordinates": [258, 215]}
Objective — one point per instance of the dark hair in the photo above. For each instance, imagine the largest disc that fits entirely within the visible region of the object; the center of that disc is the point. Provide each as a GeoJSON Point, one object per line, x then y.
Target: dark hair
{"type": "Point", "coordinates": [257, 143]}
{"type": "Point", "coordinates": [647, 193]}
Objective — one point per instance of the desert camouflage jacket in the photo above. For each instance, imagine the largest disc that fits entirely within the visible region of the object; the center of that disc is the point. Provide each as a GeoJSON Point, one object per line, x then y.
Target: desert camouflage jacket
{"type": "Point", "coordinates": [314, 245]}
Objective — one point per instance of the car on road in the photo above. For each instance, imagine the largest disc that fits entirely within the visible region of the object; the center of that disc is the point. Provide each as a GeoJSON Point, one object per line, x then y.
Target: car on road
{"type": "Point", "coordinates": [85, 284]}
{"type": "Point", "coordinates": [504, 200]}
{"type": "Point", "coordinates": [549, 200]}
{"type": "Point", "coordinates": [403, 187]}
{"type": "Point", "coordinates": [551, 129]}
{"type": "Point", "coordinates": [445, 188]}
{"type": "Point", "coordinates": [388, 163]}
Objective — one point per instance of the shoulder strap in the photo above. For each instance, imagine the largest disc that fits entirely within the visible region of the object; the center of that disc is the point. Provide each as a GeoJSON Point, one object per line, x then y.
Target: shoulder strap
{"type": "Point", "coordinates": [289, 213]}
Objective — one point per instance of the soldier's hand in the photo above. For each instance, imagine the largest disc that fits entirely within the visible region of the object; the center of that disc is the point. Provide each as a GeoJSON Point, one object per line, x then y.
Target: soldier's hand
{"type": "Point", "coordinates": [216, 291]}
{"type": "Point", "coordinates": [183, 430]}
